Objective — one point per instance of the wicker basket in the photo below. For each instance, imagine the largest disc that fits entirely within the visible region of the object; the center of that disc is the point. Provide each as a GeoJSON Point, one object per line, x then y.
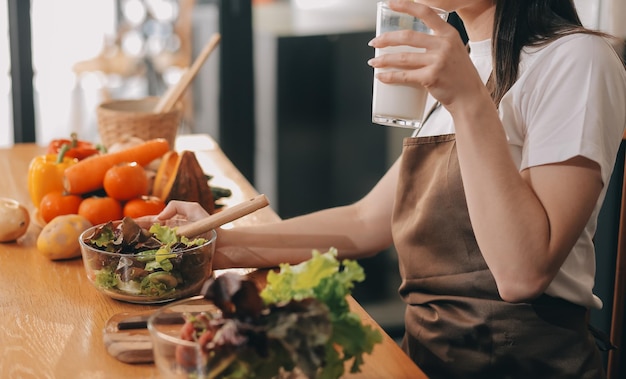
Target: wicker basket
{"type": "Point", "coordinates": [120, 118]}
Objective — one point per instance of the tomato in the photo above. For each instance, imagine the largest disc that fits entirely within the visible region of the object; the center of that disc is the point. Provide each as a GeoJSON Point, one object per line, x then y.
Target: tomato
{"type": "Point", "coordinates": [56, 203]}
{"type": "Point", "coordinates": [126, 181]}
{"type": "Point", "coordinates": [99, 210]}
{"type": "Point", "coordinates": [143, 206]}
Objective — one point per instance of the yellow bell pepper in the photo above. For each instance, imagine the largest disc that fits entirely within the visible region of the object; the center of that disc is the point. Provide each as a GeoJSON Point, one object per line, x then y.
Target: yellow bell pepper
{"type": "Point", "coordinates": [45, 175]}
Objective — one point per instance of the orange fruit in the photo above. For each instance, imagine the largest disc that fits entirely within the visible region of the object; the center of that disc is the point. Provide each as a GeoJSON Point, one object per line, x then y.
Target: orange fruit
{"type": "Point", "coordinates": [143, 206]}
{"type": "Point", "coordinates": [99, 210]}
{"type": "Point", "coordinates": [126, 181]}
{"type": "Point", "coordinates": [56, 204]}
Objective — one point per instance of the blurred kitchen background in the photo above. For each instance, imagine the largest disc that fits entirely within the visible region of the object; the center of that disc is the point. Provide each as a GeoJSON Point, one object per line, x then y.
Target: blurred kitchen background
{"type": "Point", "coordinates": [287, 94]}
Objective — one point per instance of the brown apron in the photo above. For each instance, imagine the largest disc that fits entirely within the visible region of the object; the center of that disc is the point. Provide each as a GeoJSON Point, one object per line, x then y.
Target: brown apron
{"type": "Point", "coordinates": [457, 326]}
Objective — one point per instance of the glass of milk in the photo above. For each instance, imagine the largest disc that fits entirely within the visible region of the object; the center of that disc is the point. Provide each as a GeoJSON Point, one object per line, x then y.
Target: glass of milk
{"type": "Point", "coordinates": [396, 104]}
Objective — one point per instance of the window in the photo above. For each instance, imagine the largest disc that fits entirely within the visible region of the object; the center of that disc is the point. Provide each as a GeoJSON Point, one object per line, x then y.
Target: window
{"type": "Point", "coordinates": [6, 113]}
{"type": "Point", "coordinates": [63, 32]}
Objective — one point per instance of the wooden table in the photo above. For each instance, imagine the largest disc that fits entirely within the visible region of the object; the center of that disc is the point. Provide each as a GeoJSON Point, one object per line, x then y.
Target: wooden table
{"type": "Point", "coordinates": [52, 317]}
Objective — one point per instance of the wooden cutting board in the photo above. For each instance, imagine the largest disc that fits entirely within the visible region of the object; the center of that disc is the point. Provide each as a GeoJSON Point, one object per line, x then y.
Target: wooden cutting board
{"type": "Point", "coordinates": [126, 336]}
{"type": "Point", "coordinates": [127, 339]}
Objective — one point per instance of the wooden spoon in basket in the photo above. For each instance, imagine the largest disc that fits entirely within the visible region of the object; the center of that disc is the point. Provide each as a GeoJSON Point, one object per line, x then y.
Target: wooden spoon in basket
{"type": "Point", "coordinates": [171, 97]}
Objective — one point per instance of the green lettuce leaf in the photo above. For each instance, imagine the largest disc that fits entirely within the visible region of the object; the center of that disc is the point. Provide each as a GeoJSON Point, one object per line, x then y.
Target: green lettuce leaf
{"type": "Point", "coordinates": [330, 281]}
{"type": "Point", "coordinates": [164, 234]}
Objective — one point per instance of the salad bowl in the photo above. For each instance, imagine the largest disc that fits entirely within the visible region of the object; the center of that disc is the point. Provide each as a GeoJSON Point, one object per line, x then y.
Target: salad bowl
{"type": "Point", "coordinates": [174, 356]}
{"type": "Point", "coordinates": [144, 262]}
{"type": "Point", "coordinates": [297, 325]}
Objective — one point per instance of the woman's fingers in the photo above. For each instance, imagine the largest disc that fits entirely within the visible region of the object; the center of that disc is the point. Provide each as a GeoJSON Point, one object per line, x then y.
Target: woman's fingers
{"type": "Point", "coordinates": [412, 38]}
{"type": "Point", "coordinates": [438, 61]}
{"type": "Point", "coordinates": [404, 37]}
{"type": "Point", "coordinates": [168, 212]}
{"type": "Point", "coordinates": [190, 210]}
{"type": "Point", "coordinates": [425, 13]}
{"type": "Point", "coordinates": [402, 60]}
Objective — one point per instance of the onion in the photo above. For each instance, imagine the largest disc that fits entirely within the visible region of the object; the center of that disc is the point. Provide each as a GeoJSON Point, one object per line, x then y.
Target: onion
{"type": "Point", "coordinates": [14, 220]}
{"type": "Point", "coordinates": [124, 143]}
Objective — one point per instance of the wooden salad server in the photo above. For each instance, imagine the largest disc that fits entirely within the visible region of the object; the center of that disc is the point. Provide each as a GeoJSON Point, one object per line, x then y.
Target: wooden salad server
{"type": "Point", "coordinates": [222, 217]}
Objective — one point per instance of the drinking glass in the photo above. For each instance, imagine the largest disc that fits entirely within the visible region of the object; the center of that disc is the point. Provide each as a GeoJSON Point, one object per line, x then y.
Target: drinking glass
{"type": "Point", "coordinates": [398, 104]}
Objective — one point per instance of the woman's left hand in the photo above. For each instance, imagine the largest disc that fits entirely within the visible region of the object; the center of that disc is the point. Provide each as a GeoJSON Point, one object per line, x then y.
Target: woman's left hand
{"type": "Point", "coordinates": [444, 68]}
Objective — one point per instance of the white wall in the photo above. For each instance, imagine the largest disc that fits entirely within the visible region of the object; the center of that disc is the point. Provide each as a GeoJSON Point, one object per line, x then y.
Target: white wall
{"type": "Point", "coordinates": [605, 15]}
{"type": "Point", "coordinates": [589, 11]}
{"type": "Point", "coordinates": [614, 17]}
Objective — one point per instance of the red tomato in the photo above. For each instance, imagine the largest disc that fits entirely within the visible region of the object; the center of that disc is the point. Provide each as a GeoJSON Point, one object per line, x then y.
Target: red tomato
{"type": "Point", "coordinates": [126, 181]}
{"type": "Point", "coordinates": [56, 204]}
{"type": "Point", "coordinates": [99, 210]}
{"type": "Point", "coordinates": [143, 206]}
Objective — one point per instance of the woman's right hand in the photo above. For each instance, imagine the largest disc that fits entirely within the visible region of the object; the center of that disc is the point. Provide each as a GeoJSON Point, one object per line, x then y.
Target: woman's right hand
{"type": "Point", "coordinates": [191, 211]}
{"type": "Point", "coordinates": [444, 67]}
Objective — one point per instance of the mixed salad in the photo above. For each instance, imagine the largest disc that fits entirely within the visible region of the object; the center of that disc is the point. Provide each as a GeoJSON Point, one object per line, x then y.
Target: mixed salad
{"type": "Point", "coordinates": [154, 263]}
{"type": "Point", "coordinates": [300, 322]}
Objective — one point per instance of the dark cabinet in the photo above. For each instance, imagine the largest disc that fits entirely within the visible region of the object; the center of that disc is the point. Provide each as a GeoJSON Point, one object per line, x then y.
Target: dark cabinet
{"type": "Point", "coordinates": [325, 149]}
{"type": "Point", "coordinates": [329, 152]}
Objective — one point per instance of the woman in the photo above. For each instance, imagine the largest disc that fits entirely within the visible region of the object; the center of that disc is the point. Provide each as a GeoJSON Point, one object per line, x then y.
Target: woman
{"type": "Point", "coordinates": [492, 208]}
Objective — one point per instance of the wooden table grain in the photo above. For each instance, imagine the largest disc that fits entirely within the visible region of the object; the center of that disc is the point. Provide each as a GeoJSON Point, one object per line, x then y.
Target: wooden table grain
{"type": "Point", "coordinates": [53, 319]}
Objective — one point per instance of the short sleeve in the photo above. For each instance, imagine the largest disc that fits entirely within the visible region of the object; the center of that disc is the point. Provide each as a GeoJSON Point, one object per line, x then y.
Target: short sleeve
{"type": "Point", "coordinates": [570, 100]}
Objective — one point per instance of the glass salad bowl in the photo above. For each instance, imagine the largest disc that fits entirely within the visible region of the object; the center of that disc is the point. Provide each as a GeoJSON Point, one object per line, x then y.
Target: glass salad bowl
{"type": "Point", "coordinates": [174, 356]}
{"type": "Point", "coordinates": [140, 261]}
{"type": "Point", "coordinates": [299, 325]}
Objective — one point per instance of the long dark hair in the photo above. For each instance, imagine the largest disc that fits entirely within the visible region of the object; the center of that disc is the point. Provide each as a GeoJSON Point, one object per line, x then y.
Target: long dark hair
{"type": "Point", "coordinates": [520, 23]}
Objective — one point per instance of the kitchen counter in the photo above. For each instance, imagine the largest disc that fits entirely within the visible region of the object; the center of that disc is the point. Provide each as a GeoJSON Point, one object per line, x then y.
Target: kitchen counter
{"type": "Point", "coordinates": [53, 318]}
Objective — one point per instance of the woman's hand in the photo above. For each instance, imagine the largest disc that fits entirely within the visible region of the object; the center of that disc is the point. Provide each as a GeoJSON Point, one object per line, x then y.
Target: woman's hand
{"type": "Point", "coordinates": [444, 68]}
{"type": "Point", "coordinates": [190, 210]}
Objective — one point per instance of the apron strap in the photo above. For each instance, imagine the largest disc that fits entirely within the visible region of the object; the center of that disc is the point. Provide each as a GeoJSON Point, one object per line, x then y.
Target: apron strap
{"type": "Point", "coordinates": [602, 339]}
{"type": "Point", "coordinates": [432, 109]}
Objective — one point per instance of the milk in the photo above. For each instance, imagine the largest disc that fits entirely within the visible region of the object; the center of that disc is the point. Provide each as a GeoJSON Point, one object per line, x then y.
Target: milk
{"type": "Point", "coordinates": [396, 104]}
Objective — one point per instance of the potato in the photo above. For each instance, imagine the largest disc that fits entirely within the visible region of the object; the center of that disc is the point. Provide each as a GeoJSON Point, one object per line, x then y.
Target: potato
{"type": "Point", "coordinates": [14, 220]}
{"type": "Point", "coordinates": [59, 238]}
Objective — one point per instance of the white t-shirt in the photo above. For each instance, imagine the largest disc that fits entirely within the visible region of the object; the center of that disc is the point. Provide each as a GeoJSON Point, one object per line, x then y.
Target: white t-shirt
{"type": "Point", "coordinates": [569, 100]}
